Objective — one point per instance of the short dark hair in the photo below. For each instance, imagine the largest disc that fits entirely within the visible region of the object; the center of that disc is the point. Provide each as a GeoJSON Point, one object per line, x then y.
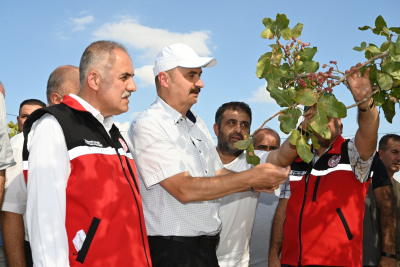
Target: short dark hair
{"type": "Point", "coordinates": [385, 140]}
{"type": "Point", "coordinates": [31, 102]}
{"type": "Point", "coordinates": [234, 105]}
{"type": "Point", "coordinates": [94, 54]}
{"type": "Point", "coordinates": [266, 129]}
{"type": "Point", "coordinates": [56, 80]}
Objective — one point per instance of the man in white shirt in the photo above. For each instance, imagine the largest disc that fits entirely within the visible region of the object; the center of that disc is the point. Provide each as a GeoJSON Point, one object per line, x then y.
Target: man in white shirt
{"type": "Point", "coordinates": [182, 174]}
{"type": "Point", "coordinates": [237, 211]}
{"type": "Point", "coordinates": [84, 206]}
{"type": "Point", "coordinates": [62, 81]}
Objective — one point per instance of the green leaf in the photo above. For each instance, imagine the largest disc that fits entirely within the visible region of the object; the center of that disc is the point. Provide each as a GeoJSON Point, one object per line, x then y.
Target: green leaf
{"type": "Point", "coordinates": [364, 28]}
{"type": "Point", "coordinates": [267, 34]}
{"type": "Point", "coordinates": [333, 107]}
{"type": "Point", "coordinates": [309, 66]}
{"type": "Point", "coordinates": [308, 53]}
{"type": "Point", "coordinates": [386, 30]}
{"type": "Point", "coordinates": [273, 78]}
{"type": "Point", "coordinates": [263, 65]}
{"type": "Point", "coordinates": [395, 92]}
{"type": "Point", "coordinates": [296, 31]}
{"type": "Point", "coordinates": [292, 92]}
{"type": "Point", "coordinates": [268, 23]}
{"type": "Point", "coordinates": [297, 66]}
{"type": "Point", "coordinates": [380, 22]}
{"type": "Point", "coordinates": [390, 104]}
{"type": "Point", "coordinates": [306, 97]}
{"type": "Point", "coordinates": [385, 82]}
{"type": "Point", "coordinates": [362, 48]}
{"type": "Point", "coordinates": [284, 69]}
{"type": "Point", "coordinates": [281, 21]}
{"type": "Point", "coordinates": [379, 98]}
{"type": "Point", "coordinates": [395, 74]}
{"type": "Point", "coordinates": [395, 29]}
{"type": "Point", "coordinates": [314, 141]}
{"type": "Point", "coordinates": [251, 157]}
{"type": "Point", "coordinates": [393, 52]}
{"type": "Point", "coordinates": [282, 98]}
{"type": "Point", "coordinates": [385, 46]}
{"type": "Point", "coordinates": [397, 45]}
{"type": "Point", "coordinates": [304, 149]}
{"type": "Point", "coordinates": [287, 33]}
{"type": "Point", "coordinates": [389, 114]}
{"type": "Point", "coordinates": [288, 119]}
{"type": "Point", "coordinates": [390, 67]}
{"type": "Point", "coordinates": [373, 49]}
{"type": "Point", "coordinates": [294, 136]}
{"type": "Point", "coordinates": [319, 122]}
{"type": "Point", "coordinates": [243, 144]}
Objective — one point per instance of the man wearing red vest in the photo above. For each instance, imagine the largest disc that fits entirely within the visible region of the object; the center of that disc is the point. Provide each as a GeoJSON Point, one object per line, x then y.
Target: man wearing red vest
{"type": "Point", "coordinates": [321, 224]}
{"type": "Point", "coordinates": [84, 206]}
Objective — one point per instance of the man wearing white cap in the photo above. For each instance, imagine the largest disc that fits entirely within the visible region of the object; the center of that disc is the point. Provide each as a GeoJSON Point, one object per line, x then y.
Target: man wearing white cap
{"type": "Point", "coordinates": [181, 172]}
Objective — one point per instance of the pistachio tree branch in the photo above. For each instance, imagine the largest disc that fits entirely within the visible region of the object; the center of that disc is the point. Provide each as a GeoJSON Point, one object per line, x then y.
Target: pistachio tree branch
{"type": "Point", "coordinates": [276, 114]}
{"type": "Point", "coordinates": [362, 65]}
{"type": "Point", "coordinates": [375, 89]}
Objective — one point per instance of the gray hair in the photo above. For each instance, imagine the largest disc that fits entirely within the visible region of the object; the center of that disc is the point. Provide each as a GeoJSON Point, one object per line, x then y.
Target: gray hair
{"type": "Point", "coordinates": [56, 81]}
{"type": "Point", "coordinates": [95, 54]}
{"type": "Point", "coordinates": [264, 129]}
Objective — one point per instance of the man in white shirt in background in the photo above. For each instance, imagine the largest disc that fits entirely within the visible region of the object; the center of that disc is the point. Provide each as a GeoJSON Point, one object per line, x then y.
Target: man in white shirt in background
{"type": "Point", "coordinates": [237, 211]}
{"type": "Point", "coordinates": [264, 139]}
{"type": "Point", "coordinates": [63, 80]}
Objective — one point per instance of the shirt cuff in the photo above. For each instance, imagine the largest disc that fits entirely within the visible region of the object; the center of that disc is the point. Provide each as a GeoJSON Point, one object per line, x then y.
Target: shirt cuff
{"type": "Point", "coordinates": [14, 208]}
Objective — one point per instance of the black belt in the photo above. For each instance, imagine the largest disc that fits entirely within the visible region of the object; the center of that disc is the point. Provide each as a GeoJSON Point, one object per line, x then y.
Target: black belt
{"type": "Point", "coordinates": [201, 241]}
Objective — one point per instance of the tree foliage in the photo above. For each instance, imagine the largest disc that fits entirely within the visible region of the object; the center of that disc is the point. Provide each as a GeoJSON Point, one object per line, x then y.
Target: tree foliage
{"type": "Point", "coordinates": [295, 79]}
{"type": "Point", "coordinates": [12, 129]}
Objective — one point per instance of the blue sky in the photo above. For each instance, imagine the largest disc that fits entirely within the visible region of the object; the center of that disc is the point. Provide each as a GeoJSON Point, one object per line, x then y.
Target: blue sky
{"type": "Point", "coordinates": [38, 36]}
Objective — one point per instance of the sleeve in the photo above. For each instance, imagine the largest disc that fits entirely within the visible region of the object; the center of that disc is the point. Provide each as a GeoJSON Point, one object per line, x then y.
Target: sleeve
{"type": "Point", "coordinates": [6, 153]}
{"type": "Point", "coordinates": [285, 189]}
{"type": "Point", "coordinates": [380, 176]}
{"type": "Point", "coordinates": [360, 167]}
{"type": "Point", "coordinates": [155, 155]}
{"type": "Point", "coordinates": [48, 172]}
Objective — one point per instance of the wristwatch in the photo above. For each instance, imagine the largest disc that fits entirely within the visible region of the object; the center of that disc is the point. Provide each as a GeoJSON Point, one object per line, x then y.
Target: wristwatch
{"type": "Point", "coordinates": [388, 255]}
{"type": "Point", "coordinates": [368, 108]}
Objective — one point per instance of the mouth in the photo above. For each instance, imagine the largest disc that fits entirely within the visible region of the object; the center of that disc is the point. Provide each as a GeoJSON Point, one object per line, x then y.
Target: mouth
{"type": "Point", "coordinates": [236, 138]}
{"type": "Point", "coordinates": [195, 91]}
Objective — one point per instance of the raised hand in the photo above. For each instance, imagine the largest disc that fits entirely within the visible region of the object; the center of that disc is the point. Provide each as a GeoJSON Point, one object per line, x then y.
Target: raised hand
{"type": "Point", "coordinates": [360, 86]}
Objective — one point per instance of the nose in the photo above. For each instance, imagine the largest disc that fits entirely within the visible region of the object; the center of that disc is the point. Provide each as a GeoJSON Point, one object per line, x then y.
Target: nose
{"type": "Point", "coordinates": [199, 83]}
{"type": "Point", "coordinates": [131, 86]}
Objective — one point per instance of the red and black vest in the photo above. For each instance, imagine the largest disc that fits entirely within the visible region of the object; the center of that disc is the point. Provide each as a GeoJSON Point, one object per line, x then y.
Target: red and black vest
{"type": "Point", "coordinates": [102, 194]}
{"type": "Point", "coordinates": [325, 212]}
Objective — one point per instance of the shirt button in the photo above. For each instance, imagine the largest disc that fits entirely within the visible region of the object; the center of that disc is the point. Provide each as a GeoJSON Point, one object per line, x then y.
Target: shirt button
{"type": "Point", "coordinates": [200, 151]}
{"type": "Point", "coordinates": [206, 171]}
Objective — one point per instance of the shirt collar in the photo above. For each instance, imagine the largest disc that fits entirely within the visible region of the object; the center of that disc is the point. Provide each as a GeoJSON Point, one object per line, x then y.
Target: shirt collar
{"type": "Point", "coordinates": [175, 115]}
{"type": "Point", "coordinates": [107, 122]}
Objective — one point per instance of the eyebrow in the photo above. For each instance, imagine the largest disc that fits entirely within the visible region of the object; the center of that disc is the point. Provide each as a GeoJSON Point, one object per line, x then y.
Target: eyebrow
{"type": "Point", "coordinates": [195, 72]}
{"type": "Point", "coordinates": [126, 74]}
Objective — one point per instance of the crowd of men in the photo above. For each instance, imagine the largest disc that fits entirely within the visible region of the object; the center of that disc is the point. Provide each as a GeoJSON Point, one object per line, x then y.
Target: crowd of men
{"type": "Point", "coordinates": [78, 192]}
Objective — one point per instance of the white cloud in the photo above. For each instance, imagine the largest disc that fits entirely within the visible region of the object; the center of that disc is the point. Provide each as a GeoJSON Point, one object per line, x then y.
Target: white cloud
{"type": "Point", "coordinates": [151, 40]}
{"type": "Point", "coordinates": [261, 95]}
{"type": "Point", "coordinates": [145, 75]}
{"type": "Point", "coordinates": [80, 23]}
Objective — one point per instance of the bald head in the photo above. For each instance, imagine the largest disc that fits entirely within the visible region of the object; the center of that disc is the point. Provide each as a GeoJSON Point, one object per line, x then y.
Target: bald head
{"type": "Point", "coordinates": [63, 80]}
{"type": "Point", "coordinates": [2, 89]}
{"type": "Point", "coordinates": [266, 139]}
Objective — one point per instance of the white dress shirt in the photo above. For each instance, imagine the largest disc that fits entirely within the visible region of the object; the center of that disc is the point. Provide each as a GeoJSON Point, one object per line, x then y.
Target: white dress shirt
{"type": "Point", "coordinates": [165, 144]}
{"type": "Point", "coordinates": [48, 172]}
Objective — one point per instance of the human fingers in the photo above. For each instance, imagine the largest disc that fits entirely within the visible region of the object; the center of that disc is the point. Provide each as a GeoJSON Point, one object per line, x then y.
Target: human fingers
{"type": "Point", "coordinates": [366, 73]}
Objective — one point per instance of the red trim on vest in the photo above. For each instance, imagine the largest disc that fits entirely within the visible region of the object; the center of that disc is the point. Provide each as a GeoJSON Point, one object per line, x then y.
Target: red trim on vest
{"type": "Point", "coordinates": [331, 219]}
{"type": "Point", "coordinates": [72, 103]}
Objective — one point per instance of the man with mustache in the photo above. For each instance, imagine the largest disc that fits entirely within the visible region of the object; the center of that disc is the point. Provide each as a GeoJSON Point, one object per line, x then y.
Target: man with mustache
{"type": "Point", "coordinates": [62, 81]}
{"type": "Point", "coordinates": [182, 173]}
{"type": "Point", "coordinates": [84, 207]}
{"type": "Point", "coordinates": [321, 211]}
{"type": "Point", "coordinates": [389, 152]}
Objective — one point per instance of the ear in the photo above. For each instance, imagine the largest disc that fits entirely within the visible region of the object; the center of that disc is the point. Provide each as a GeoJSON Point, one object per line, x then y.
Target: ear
{"type": "Point", "coordinates": [216, 131]}
{"type": "Point", "coordinates": [93, 80]}
{"type": "Point", "coordinates": [55, 98]}
{"type": "Point", "coordinates": [164, 79]}
{"type": "Point", "coordinates": [18, 119]}
{"type": "Point", "coordinates": [380, 152]}
{"type": "Point", "coordinates": [341, 126]}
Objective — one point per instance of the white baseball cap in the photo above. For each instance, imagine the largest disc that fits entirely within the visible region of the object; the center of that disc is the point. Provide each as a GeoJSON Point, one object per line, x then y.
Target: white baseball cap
{"type": "Point", "coordinates": [180, 55]}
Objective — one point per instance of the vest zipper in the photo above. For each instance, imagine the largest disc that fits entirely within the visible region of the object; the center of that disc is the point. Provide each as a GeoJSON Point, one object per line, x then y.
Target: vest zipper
{"type": "Point", "coordinates": [134, 196]}
{"type": "Point", "coordinates": [314, 198]}
{"type": "Point", "coordinates": [301, 213]}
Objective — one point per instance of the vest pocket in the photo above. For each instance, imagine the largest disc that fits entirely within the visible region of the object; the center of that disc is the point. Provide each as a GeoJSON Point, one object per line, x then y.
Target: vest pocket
{"type": "Point", "coordinates": [88, 240]}
{"type": "Point", "coordinates": [314, 197]}
{"type": "Point", "coordinates": [345, 225]}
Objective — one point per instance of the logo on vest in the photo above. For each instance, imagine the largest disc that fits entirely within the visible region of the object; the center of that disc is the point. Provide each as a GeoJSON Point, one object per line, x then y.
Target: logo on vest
{"type": "Point", "coordinates": [93, 143]}
{"type": "Point", "coordinates": [334, 161]}
{"type": "Point", "coordinates": [124, 146]}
